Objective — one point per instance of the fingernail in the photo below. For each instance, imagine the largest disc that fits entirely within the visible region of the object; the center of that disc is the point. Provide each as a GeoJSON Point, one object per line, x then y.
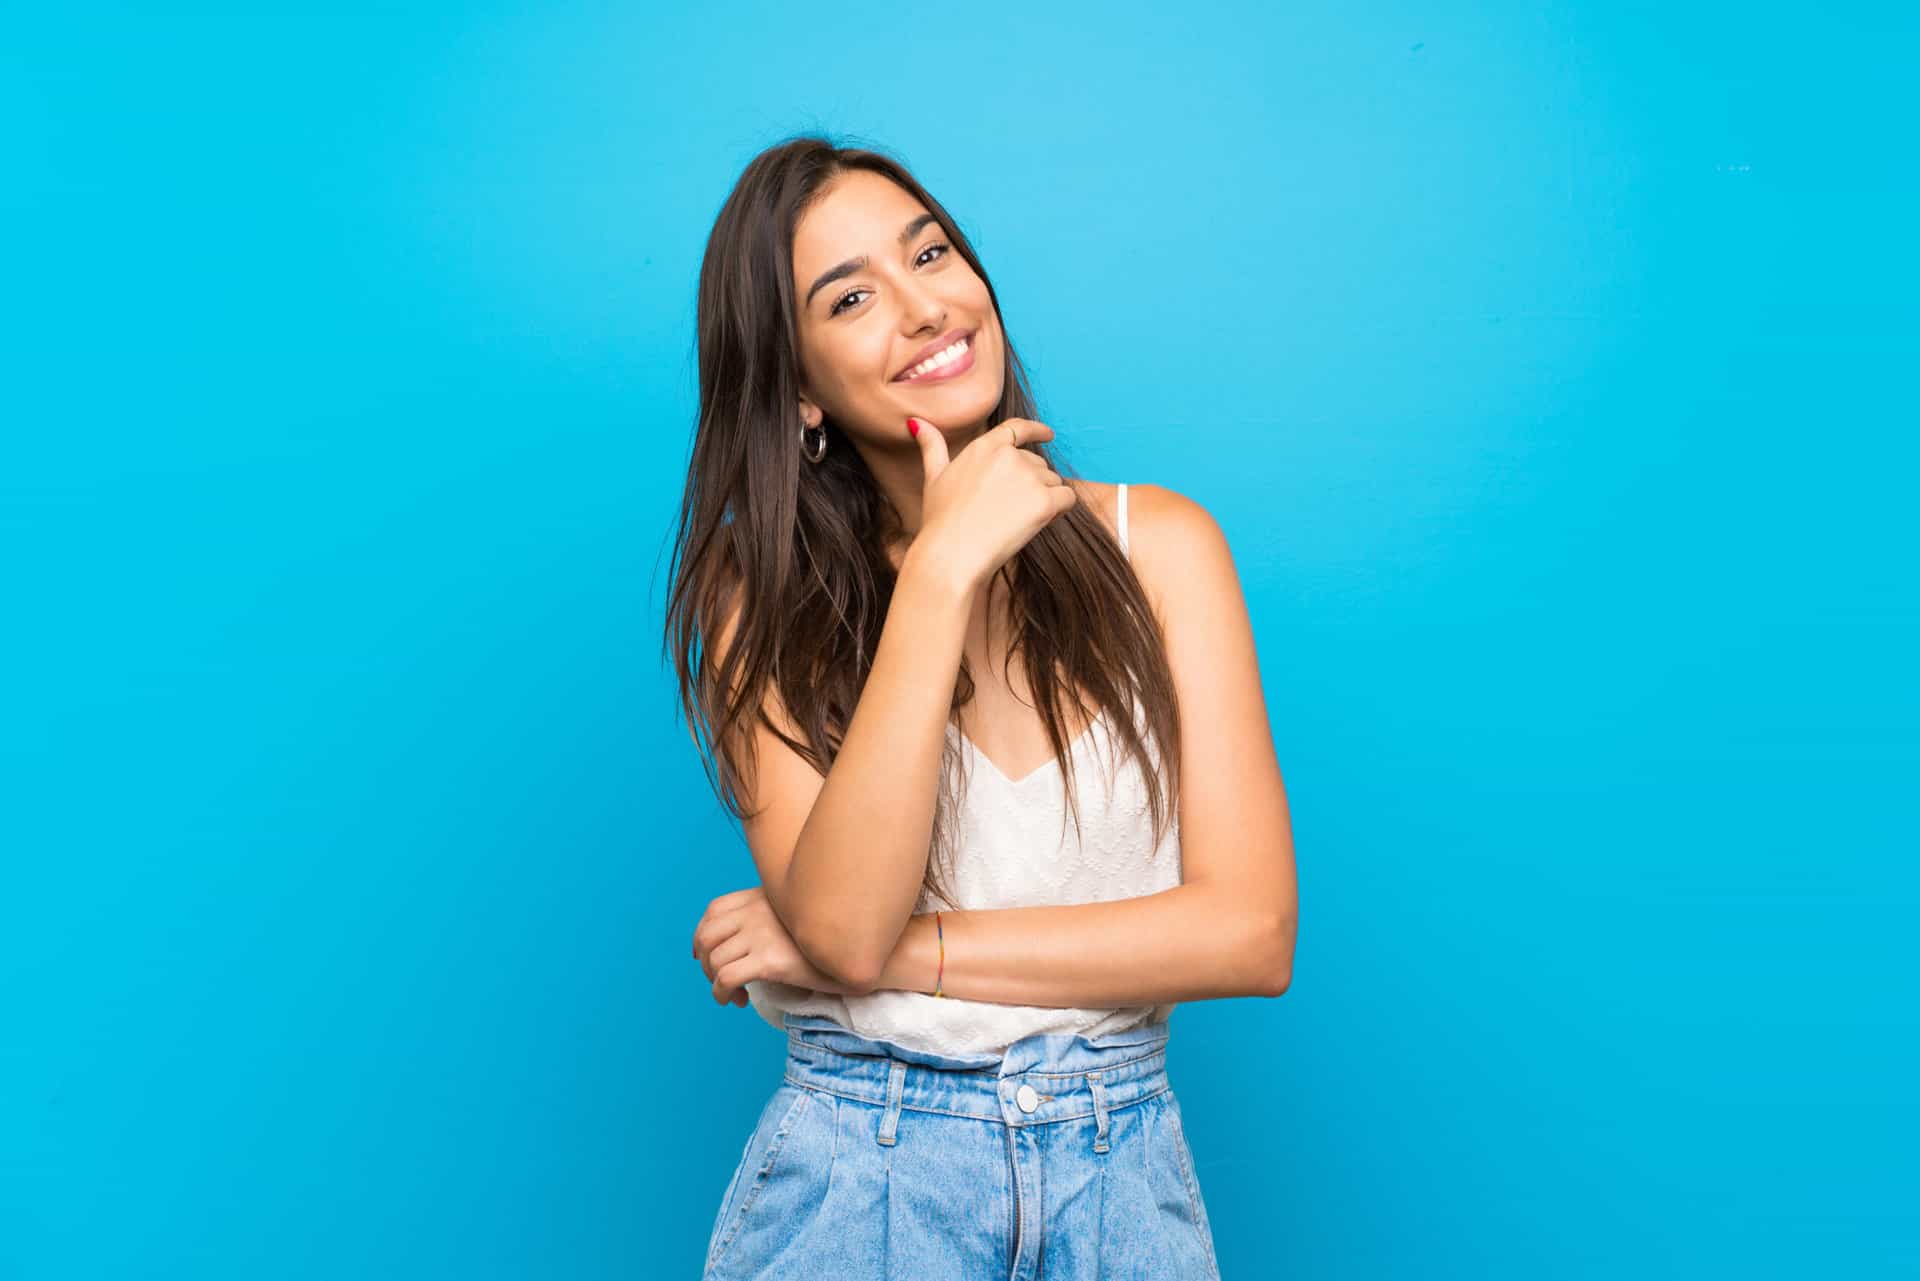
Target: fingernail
{"type": "Point", "coordinates": [913, 428]}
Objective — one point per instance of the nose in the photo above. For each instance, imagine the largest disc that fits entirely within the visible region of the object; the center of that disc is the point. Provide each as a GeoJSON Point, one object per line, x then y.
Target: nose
{"type": "Point", "coordinates": [920, 308]}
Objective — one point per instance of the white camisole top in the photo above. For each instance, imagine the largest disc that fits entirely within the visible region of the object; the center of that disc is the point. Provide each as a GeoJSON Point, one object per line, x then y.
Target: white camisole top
{"type": "Point", "coordinates": [1018, 848]}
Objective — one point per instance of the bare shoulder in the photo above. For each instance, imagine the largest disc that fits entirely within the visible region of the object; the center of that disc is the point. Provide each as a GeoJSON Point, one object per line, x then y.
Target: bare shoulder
{"type": "Point", "coordinates": [1158, 509]}
{"type": "Point", "coordinates": [1176, 546]}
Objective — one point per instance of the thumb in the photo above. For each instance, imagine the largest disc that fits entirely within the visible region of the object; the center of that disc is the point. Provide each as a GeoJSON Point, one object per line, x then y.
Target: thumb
{"type": "Point", "coordinates": [933, 445]}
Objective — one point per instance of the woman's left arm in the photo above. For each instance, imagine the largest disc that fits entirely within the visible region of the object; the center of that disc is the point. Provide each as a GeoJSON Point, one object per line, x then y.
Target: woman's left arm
{"type": "Point", "coordinates": [1189, 943]}
{"type": "Point", "coordinates": [1228, 928]}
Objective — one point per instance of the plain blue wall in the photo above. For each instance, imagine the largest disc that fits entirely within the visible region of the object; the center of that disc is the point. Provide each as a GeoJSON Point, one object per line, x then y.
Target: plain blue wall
{"type": "Point", "coordinates": [1540, 362]}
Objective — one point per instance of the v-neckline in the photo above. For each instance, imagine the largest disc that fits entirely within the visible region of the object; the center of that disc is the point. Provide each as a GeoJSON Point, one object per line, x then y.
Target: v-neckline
{"type": "Point", "coordinates": [1036, 771]}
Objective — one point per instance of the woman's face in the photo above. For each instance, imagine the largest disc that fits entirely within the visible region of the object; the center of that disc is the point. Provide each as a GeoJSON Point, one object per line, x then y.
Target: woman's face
{"type": "Point", "coordinates": [863, 333]}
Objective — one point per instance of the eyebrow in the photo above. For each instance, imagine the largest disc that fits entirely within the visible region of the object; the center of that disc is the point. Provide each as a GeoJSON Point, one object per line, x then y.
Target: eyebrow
{"type": "Point", "coordinates": [852, 265]}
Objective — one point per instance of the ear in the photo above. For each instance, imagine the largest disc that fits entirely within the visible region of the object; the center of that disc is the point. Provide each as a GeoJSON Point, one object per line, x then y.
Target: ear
{"type": "Point", "coordinates": [811, 414]}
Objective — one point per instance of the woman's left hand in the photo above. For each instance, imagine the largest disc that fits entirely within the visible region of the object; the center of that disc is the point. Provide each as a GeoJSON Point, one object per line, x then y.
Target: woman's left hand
{"type": "Point", "coordinates": [739, 938]}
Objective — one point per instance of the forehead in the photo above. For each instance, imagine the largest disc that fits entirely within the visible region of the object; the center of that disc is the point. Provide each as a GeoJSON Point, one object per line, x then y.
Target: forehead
{"type": "Point", "coordinates": [859, 213]}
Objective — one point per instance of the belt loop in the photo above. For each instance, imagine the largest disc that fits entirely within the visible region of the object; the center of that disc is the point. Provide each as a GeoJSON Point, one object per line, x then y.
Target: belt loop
{"type": "Point", "coordinates": [890, 1120]}
{"type": "Point", "coordinates": [1099, 1111]}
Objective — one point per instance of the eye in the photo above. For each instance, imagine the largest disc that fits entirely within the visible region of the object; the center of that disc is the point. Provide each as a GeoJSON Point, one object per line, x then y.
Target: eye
{"type": "Point", "coordinates": [941, 245]}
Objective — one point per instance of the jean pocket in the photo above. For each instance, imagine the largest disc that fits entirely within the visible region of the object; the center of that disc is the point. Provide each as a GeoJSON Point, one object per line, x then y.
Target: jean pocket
{"type": "Point", "coordinates": [760, 1167]}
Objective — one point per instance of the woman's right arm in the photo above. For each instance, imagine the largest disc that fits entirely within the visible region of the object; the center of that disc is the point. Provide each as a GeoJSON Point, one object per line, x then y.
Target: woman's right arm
{"type": "Point", "coordinates": [842, 858]}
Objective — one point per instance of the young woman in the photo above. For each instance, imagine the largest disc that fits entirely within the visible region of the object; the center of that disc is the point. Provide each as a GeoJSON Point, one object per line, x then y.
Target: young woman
{"type": "Point", "coordinates": [997, 740]}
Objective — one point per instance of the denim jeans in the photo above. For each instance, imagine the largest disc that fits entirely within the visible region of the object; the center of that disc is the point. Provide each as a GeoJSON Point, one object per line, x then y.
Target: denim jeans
{"type": "Point", "coordinates": [1064, 1158]}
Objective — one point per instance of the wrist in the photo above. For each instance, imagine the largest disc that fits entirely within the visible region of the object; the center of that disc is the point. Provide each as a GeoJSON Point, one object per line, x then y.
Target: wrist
{"type": "Point", "coordinates": [936, 570]}
{"type": "Point", "coordinates": [915, 958]}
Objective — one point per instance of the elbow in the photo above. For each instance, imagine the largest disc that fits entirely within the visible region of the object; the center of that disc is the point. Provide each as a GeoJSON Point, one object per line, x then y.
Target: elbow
{"type": "Point", "coordinates": [849, 971]}
{"type": "Point", "coordinates": [826, 943]}
{"type": "Point", "coordinates": [859, 977]}
{"type": "Point", "coordinates": [826, 938]}
{"type": "Point", "coordinates": [1279, 934]}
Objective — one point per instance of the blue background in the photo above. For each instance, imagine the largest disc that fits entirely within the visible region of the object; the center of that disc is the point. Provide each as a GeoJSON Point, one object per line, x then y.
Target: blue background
{"type": "Point", "coordinates": [1540, 361]}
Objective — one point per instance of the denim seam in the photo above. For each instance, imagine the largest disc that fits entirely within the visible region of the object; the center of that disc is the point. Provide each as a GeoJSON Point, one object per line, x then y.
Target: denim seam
{"type": "Point", "coordinates": [727, 1199]}
{"type": "Point", "coordinates": [1192, 1180]}
{"type": "Point", "coordinates": [975, 1116]}
{"type": "Point", "coordinates": [760, 1178]}
{"type": "Point", "coordinates": [1105, 1068]}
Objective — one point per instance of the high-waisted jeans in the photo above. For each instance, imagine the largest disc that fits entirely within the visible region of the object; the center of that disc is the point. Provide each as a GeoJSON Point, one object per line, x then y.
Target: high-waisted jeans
{"type": "Point", "coordinates": [1064, 1158]}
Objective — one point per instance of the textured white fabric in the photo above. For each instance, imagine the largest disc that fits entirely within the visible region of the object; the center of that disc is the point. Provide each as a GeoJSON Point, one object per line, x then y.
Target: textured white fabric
{"type": "Point", "coordinates": [1018, 848]}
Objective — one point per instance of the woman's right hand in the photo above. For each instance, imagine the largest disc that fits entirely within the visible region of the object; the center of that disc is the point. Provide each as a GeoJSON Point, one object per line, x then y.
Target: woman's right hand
{"type": "Point", "coordinates": [983, 505]}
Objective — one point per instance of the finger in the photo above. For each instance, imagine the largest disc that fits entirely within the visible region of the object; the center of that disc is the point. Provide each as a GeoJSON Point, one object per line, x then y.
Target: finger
{"type": "Point", "coordinates": [728, 982]}
{"type": "Point", "coordinates": [731, 950]}
{"type": "Point", "coordinates": [713, 933]}
{"type": "Point", "coordinates": [718, 911]}
{"type": "Point", "coordinates": [933, 446]}
{"type": "Point", "coordinates": [1045, 469]}
{"type": "Point", "coordinates": [1025, 431]}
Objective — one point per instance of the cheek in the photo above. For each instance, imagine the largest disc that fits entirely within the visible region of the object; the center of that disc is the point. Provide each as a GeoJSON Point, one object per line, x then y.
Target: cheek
{"type": "Point", "coordinates": [835, 365]}
{"type": "Point", "coordinates": [866, 361]}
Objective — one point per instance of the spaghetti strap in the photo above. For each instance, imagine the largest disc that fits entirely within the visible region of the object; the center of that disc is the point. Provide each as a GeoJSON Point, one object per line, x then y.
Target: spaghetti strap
{"type": "Point", "coordinates": [1123, 520]}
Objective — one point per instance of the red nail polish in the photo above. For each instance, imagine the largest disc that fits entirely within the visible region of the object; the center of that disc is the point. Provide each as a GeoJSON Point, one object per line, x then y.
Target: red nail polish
{"type": "Point", "coordinates": [913, 428]}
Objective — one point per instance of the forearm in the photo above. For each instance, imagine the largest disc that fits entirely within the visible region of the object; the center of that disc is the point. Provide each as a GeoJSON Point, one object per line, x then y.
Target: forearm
{"type": "Point", "coordinates": [1189, 943]}
{"type": "Point", "coordinates": [859, 862]}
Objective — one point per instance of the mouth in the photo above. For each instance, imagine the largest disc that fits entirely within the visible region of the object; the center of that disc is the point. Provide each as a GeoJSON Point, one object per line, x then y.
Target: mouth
{"type": "Point", "coordinates": [951, 361]}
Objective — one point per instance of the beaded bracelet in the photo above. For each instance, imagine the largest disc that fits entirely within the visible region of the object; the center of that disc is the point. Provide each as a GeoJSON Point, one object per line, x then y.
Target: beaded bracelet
{"type": "Point", "coordinates": [939, 977]}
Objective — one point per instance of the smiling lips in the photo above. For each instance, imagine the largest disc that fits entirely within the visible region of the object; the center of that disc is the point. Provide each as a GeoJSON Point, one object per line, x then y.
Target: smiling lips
{"type": "Point", "coordinates": [949, 362]}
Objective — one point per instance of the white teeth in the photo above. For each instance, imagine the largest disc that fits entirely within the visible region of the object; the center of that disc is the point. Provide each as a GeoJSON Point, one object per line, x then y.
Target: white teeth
{"type": "Point", "coordinates": [939, 359]}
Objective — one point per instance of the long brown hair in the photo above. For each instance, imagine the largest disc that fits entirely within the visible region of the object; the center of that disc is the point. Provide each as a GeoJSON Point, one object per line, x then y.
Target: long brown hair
{"type": "Point", "coordinates": [798, 548]}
